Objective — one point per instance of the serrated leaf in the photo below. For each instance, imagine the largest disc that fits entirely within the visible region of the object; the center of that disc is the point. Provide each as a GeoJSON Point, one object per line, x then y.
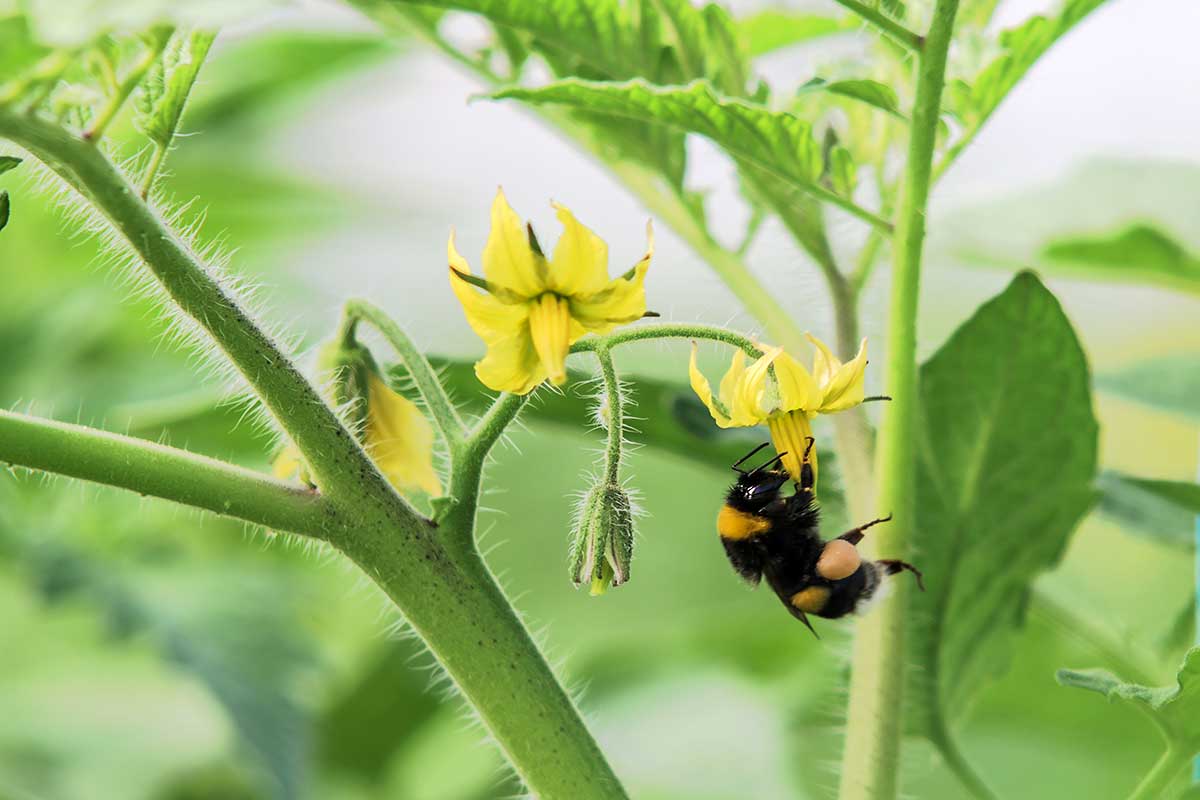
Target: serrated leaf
{"type": "Point", "coordinates": [873, 93]}
{"type": "Point", "coordinates": [1140, 253]}
{"type": "Point", "coordinates": [770, 29]}
{"type": "Point", "coordinates": [727, 67]}
{"type": "Point", "coordinates": [1164, 511]}
{"type": "Point", "coordinates": [1170, 383]}
{"type": "Point", "coordinates": [1007, 459]}
{"type": "Point", "coordinates": [1174, 709]}
{"type": "Point", "coordinates": [1021, 47]}
{"type": "Point", "coordinates": [775, 141]}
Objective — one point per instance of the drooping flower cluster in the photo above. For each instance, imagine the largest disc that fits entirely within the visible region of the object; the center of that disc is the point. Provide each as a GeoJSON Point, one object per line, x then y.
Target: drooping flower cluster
{"type": "Point", "coordinates": [529, 310]}
{"type": "Point", "coordinates": [778, 390]}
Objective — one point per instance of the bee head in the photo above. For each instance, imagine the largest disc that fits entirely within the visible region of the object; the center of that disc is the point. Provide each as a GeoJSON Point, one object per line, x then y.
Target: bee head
{"type": "Point", "coordinates": [755, 490]}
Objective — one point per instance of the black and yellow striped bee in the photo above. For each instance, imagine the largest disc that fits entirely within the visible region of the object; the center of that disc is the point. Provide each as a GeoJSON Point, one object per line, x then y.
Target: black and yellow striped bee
{"type": "Point", "coordinates": [768, 534]}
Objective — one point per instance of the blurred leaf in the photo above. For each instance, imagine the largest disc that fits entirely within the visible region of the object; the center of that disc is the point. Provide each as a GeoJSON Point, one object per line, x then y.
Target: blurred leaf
{"type": "Point", "coordinates": [1174, 709]}
{"type": "Point", "coordinates": [361, 731]}
{"type": "Point", "coordinates": [1183, 630]}
{"type": "Point", "coordinates": [1140, 253]}
{"type": "Point", "coordinates": [243, 657]}
{"type": "Point", "coordinates": [1164, 511]}
{"type": "Point", "coordinates": [18, 50]}
{"type": "Point", "coordinates": [1171, 383]}
{"type": "Point", "coordinates": [4, 209]}
{"type": "Point", "coordinates": [250, 76]}
{"type": "Point", "coordinates": [7, 163]}
{"type": "Point", "coordinates": [771, 29]}
{"type": "Point", "coordinates": [775, 141]}
{"type": "Point", "coordinates": [974, 101]}
{"type": "Point", "coordinates": [166, 90]}
{"type": "Point", "coordinates": [873, 93]}
{"type": "Point", "coordinates": [70, 23]}
{"type": "Point", "coordinates": [1008, 457]}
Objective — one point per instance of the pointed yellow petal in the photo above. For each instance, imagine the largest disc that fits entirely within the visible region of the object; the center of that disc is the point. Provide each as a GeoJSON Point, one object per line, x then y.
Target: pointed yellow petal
{"type": "Point", "coordinates": [550, 329]}
{"type": "Point", "coordinates": [621, 301]}
{"type": "Point", "coordinates": [748, 403]}
{"type": "Point", "coordinates": [825, 363]}
{"type": "Point", "coordinates": [490, 318]}
{"type": "Point", "coordinates": [847, 385]}
{"type": "Point", "coordinates": [400, 440]}
{"type": "Point", "coordinates": [703, 390]}
{"type": "Point", "coordinates": [511, 364]}
{"type": "Point", "coordinates": [789, 434]}
{"type": "Point", "coordinates": [580, 262]}
{"type": "Point", "coordinates": [797, 389]}
{"type": "Point", "coordinates": [508, 260]}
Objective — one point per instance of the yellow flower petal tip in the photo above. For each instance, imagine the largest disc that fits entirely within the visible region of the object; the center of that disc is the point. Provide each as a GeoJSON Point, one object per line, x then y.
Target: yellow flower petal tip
{"type": "Point", "coordinates": [530, 309]}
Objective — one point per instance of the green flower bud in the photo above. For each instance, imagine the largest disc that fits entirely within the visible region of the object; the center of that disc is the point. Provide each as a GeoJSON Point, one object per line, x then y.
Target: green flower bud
{"type": "Point", "coordinates": [348, 367]}
{"type": "Point", "coordinates": [603, 545]}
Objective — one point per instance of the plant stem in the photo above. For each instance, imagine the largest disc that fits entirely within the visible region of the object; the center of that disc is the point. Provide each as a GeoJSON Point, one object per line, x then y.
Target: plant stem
{"type": "Point", "coordinates": [913, 41]}
{"type": "Point", "coordinates": [160, 471]}
{"type": "Point", "coordinates": [126, 87]}
{"type": "Point", "coordinates": [641, 333]}
{"type": "Point", "coordinates": [1166, 770]}
{"type": "Point", "coordinates": [444, 414]}
{"type": "Point", "coordinates": [871, 761]}
{"type": "Point", "coordinates": [616, 415]}
{"type": "Point", "coordinates": [449, 598]}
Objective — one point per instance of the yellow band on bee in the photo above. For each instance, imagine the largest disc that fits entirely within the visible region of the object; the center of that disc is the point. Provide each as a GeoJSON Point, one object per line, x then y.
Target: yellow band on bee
{"type": "Point", "coordinates": [811, 600]}
{"type": "Point", "coordinates": [734, 524]}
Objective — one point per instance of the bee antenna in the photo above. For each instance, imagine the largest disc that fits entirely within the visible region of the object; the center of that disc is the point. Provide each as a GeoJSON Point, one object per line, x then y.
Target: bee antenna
{"type": "Point", "coordinates": [746, 458]}
{"type": "Point", "coordinates": [771, 464]}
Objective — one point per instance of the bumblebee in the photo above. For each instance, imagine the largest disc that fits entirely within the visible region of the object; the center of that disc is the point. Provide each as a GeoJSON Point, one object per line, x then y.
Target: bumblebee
{"type": "Point", "coordinates": [768, 534]}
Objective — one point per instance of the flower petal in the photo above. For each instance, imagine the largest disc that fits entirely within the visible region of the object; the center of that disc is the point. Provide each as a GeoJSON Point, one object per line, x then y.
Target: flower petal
{"type": "Point", "coordinates": [703, 390]}
{"type": "Point", "coordinates": [550, 329]}
{"type": "Point", "coordinates": [508, 260]}
{"type": "Point", "coordinates": [400, 440]}
{"type": "Point", "coordinates": [748, 407]}
{"type": "Point", "coordinates": [797, 389]}
{"type": "Point", "coordinates": [621, 301]}
{"type": "Point", "coordinates": [580, 262]}
{"type": "Point", "coordinates": [790, 433]}
{"type": "Point", "coordinates": [825, 363]}
{"type": "Point", "coordinates": [846, 386]}
{"type": "Point", "coordinates": [511, 364]}
{"type": "Point", "coordinates": [490, 318]}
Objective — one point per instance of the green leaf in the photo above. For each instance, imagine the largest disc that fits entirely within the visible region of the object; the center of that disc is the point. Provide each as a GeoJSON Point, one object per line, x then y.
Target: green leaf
{"type": "Point", "coordinates": [4, 209]}
{"type": "Point", "coordinates": [1170, 383]}
{"type": "Point", "coordinates": [975, 100]}
{"type": "Point", "coordinates": [1008, 447]}
{"type": "Point", "coordinates": [775, 141]}
{"type": "Point", "coordinates": [873, 93]}
{"type": "Point", "coordinates": [1139, 253]}
{"type": "Point", "coordinates": [1164, 511]}
{"type": "Point", "coordinates": [7, 163]}
{"type": "Point", "coordinates": [771, 29]}
{"type": "Point", "coordinates": [166, 91]}
{"type": "Point", "coordinates": [1174, 709]}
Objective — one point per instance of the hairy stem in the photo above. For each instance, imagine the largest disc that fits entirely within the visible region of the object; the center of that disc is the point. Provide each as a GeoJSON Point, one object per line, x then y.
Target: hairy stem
{"type": "Point", "coordinates": [448, 597]}
{"type": "Point", "coordinates": [444, 414]}
{"type": "Point", "coordinates": [160, 471]}
{"type": "Point", "coordinates": [871, 761]}
{"type": "Point", "coordinates": [893, 29]}
{"type": "Point", "coordinates": [616, 415]}
{"type": "Point", "coordinates": [642, 333]}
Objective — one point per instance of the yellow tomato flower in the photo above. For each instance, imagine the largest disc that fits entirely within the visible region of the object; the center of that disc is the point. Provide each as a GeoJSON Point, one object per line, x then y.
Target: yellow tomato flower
{"type": "Point", "coordinates": [394, 432]}
{"type": "Point", "coordinates": [778, 390]}
{"type": "Point", "coordinates": [529, 309]}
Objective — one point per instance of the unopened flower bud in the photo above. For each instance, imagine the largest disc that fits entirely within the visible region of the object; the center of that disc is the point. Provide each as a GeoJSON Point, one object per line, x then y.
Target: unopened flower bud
{"type": "Point", "coordinates": [603, 545]}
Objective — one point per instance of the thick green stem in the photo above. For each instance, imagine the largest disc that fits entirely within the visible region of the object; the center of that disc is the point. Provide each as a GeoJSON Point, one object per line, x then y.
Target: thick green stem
{"type": "Point", "coordinates": [444, 414]}
{"type": "Point", "coordinates": [447, 596]}
{"type": "Point", "coordinates": [851, 430]}
{"type": "Point", "coordinates": [1165, 772]}
{"type": "Point", "coordinates": [871, 760]}
{"type": "Point", "coordinates": [160, 471]}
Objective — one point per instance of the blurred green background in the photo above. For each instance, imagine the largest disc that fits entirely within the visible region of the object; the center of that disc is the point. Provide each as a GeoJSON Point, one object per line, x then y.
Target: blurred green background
{"type": "Point", "coordinates": [147, 651]}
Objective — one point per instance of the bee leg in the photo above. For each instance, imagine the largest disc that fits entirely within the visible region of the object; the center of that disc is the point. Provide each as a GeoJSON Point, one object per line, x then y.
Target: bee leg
{"type": "Point", "coordinates": [891, 566]}
{"type": "Point", "coordinates": [855, 535]}
{"type": "Point", "coordinates": [807, 479]}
